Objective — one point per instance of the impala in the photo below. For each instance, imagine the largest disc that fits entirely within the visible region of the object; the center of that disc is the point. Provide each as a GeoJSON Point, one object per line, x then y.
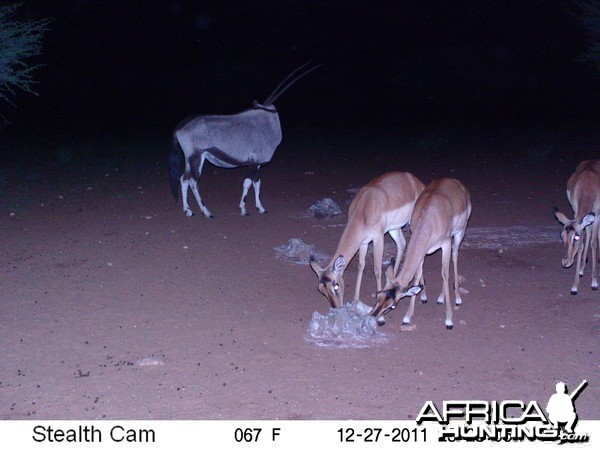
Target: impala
{"type": "Point", "coordinates": [583, 193]}
{"type": "Point", "coordinates": [439, 220]}
{"type": "Point", "coordinates": [382, 206]}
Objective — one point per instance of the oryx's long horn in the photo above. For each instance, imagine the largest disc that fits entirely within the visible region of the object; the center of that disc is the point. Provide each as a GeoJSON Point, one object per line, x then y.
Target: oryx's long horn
{"type": "Point", "coordinates": [280, 90]}
{"type": "Point", "coordinates": [269, 100]}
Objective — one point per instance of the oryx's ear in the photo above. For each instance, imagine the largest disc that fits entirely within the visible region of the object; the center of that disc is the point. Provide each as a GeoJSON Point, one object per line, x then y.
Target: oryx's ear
{"type": "Point", "coordinates": [389, 271]}
{"type": "Point", "coordinates": [339, 265]}
{"type": "Point", "coordinates": [560, 216]}
{"type": "Point", "coordinates": [588, 219]}
{"type": "Point", "coordinates": [315, 266]}
{"type": "Point", "coordinates": [414, 290]}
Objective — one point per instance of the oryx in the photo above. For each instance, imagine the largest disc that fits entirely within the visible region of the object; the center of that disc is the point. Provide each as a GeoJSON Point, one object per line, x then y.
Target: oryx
{"type": "Point", "coordinates": [248, 138]}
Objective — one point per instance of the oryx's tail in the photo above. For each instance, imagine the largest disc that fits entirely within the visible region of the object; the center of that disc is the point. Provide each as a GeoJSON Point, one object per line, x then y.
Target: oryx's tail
{"type": "Point", "coordinates": [176, 164]}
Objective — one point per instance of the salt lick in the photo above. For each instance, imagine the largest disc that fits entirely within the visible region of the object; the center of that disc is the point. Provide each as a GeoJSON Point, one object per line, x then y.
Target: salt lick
{"type": "Point", "coordinates": [350, 326]}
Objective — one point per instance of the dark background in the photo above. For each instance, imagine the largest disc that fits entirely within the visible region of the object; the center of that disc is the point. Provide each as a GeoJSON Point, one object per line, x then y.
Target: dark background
{"type": "Point", "coordinates": [131, 67]}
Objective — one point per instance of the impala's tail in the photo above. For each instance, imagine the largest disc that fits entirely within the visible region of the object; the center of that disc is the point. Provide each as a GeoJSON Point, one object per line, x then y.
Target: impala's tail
{"type": "Point", "coordinates": [175, 161]}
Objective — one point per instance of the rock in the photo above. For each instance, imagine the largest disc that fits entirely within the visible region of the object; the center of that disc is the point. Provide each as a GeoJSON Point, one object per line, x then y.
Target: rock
{"type": "Point", "coordinates": [351, 321]}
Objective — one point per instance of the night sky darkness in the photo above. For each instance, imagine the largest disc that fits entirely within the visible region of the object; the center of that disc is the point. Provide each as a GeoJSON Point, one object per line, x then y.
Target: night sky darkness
{"type": "Point", "coordinates": [141, 66]}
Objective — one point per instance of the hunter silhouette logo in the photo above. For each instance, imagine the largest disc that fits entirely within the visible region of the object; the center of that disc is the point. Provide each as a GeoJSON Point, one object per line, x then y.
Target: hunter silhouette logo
{"type": "Point", "coordinates": [561, 407]}
{"type": "Point", "coordinates": [508, 420]}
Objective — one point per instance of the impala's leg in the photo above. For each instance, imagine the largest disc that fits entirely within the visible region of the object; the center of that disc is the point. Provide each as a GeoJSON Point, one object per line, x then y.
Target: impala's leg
{"type": "Point", "coordinates": [445, 294]}
{"type": "Point", "coordinates": [577, 276]}
{"type": "Point", "coordinates": [456, 241]}
{"type": "Point", "coordinates": [196, 167]}
{"type": "Point", "coordinates": [362, 255]}
{"type": "Point", "coordinates": [586, 246]}
{"type": "Point", "coordinates": [378, 259]}
{"type": "Point", "coordinates": [446, 252]}
{"type": "Point", "coordinates": [423, 293]}
{"type": "Point", "coordinates": [400, 241]}
{"type": "Point", "coordinates": [594, 244]}
{"type": "Point", "coordinates": [411, 308]}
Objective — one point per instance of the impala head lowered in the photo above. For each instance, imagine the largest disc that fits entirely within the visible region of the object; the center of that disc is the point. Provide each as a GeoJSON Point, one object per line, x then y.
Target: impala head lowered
{"type": "Point", "coordinates": [391, 294]}
{"type": "Point", "coordinates": [331, 282]}
{"type": "Point", "coordinates": [383, 205]}
{"type": "Point", "coordinates": [572, 234]}
{"type": "Point", "coordinates": [583, 193]}
{"type": "Point", "coordinates": [438, 221]}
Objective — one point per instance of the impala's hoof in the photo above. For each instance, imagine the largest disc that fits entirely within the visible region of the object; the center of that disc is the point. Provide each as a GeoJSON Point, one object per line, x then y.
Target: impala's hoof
{"type": "Point", "coordinates": [423, 301]}
{"type": "Point", "coordinates": [449, 327]}
{"type": "Point", "coordinates": [594, 288]}
{"type": "Point", "coordinates": [573, 292]}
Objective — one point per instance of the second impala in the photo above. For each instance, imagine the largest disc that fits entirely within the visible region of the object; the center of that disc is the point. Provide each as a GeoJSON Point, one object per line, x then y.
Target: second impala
{"type": "Point", "coordinates": [439, 220]}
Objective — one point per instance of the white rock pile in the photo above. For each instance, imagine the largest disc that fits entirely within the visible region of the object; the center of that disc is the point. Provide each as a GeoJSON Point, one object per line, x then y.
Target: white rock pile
{"type": "Point", "coordinates": [348, 326]}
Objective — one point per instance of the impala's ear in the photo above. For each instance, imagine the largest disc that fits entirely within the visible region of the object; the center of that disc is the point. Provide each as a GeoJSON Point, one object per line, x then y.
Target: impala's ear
{"type": "Point", "coordinates": [339, 265]}
{"type": "Point", "coordinates": [414, 290]}
{"type": "Point", "coordinates": [588, 219]}
{"type": "Point", "coordinates": [389, 271]}
{"type": "Point", "coordinates": [560, 216]}
{"type": "Point", "coordinates": [315, 266]}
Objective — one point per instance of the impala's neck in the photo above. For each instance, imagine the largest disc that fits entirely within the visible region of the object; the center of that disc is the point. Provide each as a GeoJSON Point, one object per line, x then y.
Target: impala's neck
{"type": "Point", "coordinates": [415, 254]}
{"type": "Point", "coordinates": [584, 204]}
{"type": "Point", "coordinates": [350, 242]}
{"type": "Point", "coordinates": [584, 195]}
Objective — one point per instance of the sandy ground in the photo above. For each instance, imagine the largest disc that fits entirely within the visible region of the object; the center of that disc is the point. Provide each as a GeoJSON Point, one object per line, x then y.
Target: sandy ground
{"type": "Point", "coordinates": [114, 305]}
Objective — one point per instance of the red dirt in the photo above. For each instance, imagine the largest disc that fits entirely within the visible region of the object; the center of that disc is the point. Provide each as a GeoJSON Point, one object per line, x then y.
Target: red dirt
{"type": "Point", "coordinates": [114, 305]}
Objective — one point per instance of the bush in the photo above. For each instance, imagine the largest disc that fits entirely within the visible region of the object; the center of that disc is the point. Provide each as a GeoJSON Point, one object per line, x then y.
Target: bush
{"type": "Point", "coordinates": [19, 41]}
{"type": "Point", "coordinates": [590, 18]}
